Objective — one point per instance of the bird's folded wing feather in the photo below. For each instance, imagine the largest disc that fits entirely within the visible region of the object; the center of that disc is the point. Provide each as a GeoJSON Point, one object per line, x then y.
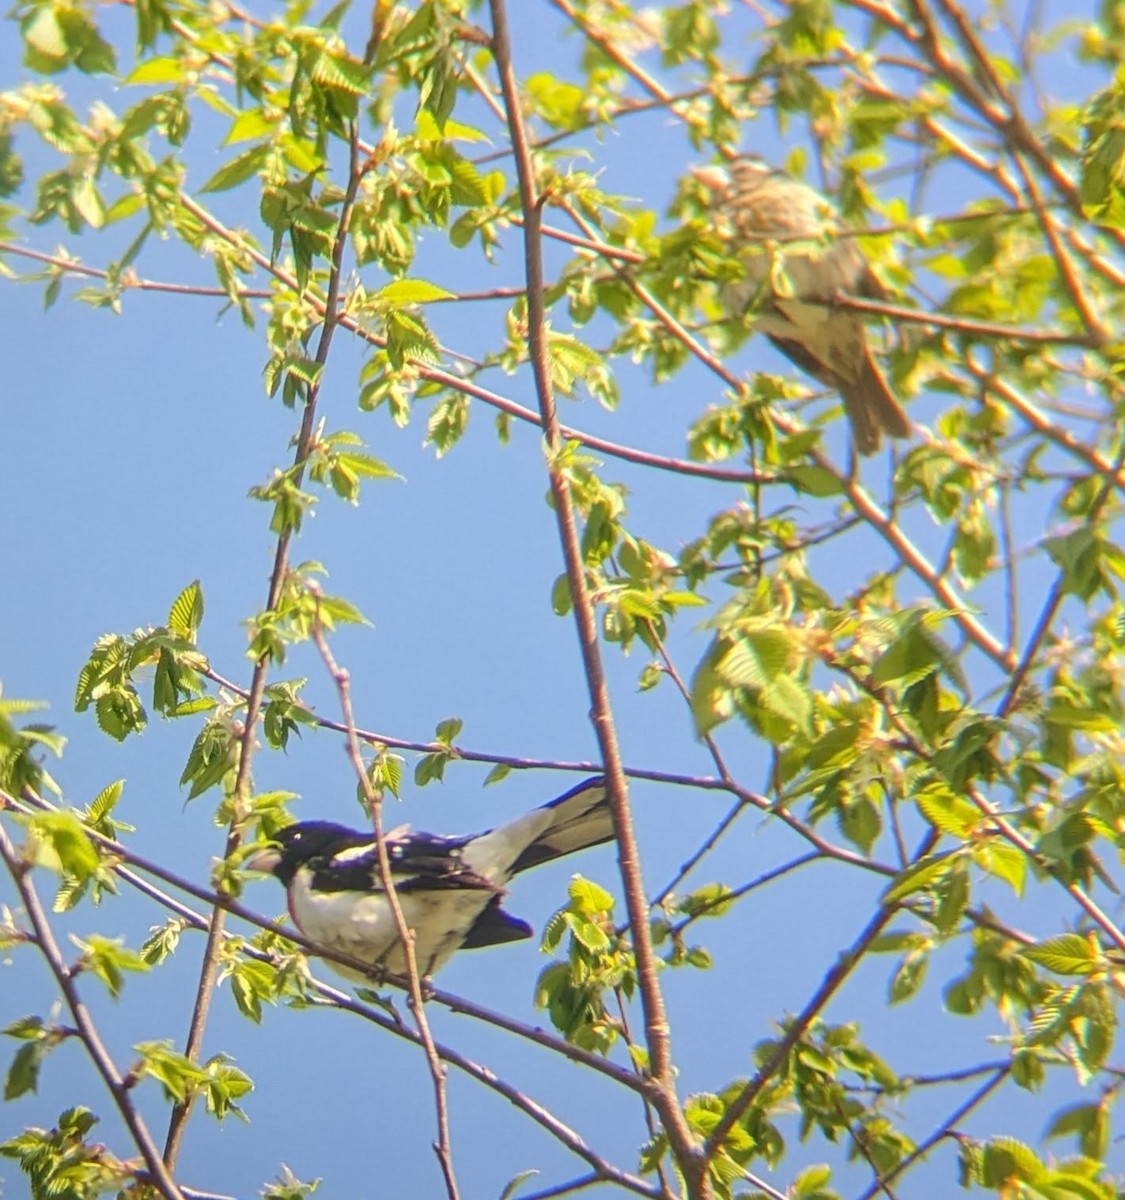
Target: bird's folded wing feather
{"type": "Point", "coordinates": [419, 862]}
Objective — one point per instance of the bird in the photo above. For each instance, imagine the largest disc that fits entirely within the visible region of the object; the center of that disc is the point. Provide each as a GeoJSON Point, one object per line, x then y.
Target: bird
{"type": "Point", "coordinates": [758, 203]}
{"type": "Point", "coordinates": [450, 888]}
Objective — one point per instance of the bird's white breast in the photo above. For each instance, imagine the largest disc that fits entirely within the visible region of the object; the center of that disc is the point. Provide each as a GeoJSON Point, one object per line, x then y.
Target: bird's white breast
{"type": "Point", "coordinates": [363, 926]}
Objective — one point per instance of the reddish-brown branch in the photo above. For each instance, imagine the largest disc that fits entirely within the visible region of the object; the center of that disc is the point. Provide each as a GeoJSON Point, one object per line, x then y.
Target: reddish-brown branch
{"type": "Point", "coordinates": [241, 790]}
{"type": "Point", "coordinates": [833, 980]}
{"type": "Point", "coordinates": [657, 1032]}
{"type": "Point", "coordinates": [444, 1146]}
{"type": "Point", "coordinates": [160, 1175]}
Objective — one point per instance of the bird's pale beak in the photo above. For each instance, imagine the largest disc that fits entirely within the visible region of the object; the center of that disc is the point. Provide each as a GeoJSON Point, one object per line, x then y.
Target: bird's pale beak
{"type": "Point", "coordinates": [714, 178]}
{"type": "Point", "coordinates": [264, 860]}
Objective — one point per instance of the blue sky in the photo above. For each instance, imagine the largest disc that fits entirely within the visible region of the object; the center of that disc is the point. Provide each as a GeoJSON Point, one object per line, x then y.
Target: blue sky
{"type": "Point", "coordinates": [132, 443]}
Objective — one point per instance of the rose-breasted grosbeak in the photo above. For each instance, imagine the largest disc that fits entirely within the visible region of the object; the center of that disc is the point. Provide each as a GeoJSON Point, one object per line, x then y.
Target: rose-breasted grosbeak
{"type": "Point", "coordinates": [449, 888]}
{"type": "Point", "coordinates": [758, 204]}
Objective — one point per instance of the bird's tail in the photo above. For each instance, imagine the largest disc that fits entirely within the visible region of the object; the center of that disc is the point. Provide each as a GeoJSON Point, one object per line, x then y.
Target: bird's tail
{"type": "Point", "coordinates": [872, 407]}
{"type": "Point", "coordinates": [579, 819]}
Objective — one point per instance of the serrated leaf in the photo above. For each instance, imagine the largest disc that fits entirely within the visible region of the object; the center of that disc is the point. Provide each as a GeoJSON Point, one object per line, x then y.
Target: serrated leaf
{"type": "Point", "coordinates": [23, 1074]}
{"type": "Point", "coordinates": [59, 842]}
{"type": "Point", "coordinates": [1070, 954]}
{"type": "Point", "coordinates": [946, 811]}
{"type": "Point", "coordinates": [27, 1028]}
{"type": "Point", "coordinates": [186, 614]}
{"type": "Point", "coordinates": [592, 936]}
{"type": "Point", "coordinates": [366, 466]}
{"type": "Point", "coordinates": [588, 898]}
{"type": "Point", "coordinates": [108, 959]}
{"type": "Point", "coordinates": [340, 72]}
{"type": "Point", "coordinates": [105, 801]}
{"type": "Point", "coordinates": [553, 931]}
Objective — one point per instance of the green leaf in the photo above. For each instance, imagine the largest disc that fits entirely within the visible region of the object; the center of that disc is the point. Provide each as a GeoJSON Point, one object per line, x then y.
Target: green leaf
{"type": "Point", "coordinates": [176, 1072]}
{"type": "Point", "coordinates": [214, 753]}
{"type": "Point", "coordinates": [225, 1084]}
{"type": "Point", "coordinates": [1004, 1160]}
{"type": "Point", "coordinates": [239, 169]}
{"type": "Point", "coordinates": [23, 1074]}
{"type": "Point", "coordinates": [711, 900]}
{"type": "Point", "coordinates": [288, 1187]}
{"type": "Point", "coordinates": [946, 811]}
{"type": "Point", "coordinates": [29, 1028]}
{"type": "Point", "coordinates": [814, 480]}
{"type": "Point", "coordinates": [588, 898]}
{"type": "Point", "coordinates": [248, 125]}
{"type": "Point", "coordinates": [430, 768]}
{"type": "Point", "coordinates": [1088, 1123]}
{"type": "Point", "coordinates": [186, 613]}
{"type": "Point", "coordinates": [1070, 954]}
{"type": "Point", "coordinates": [1005, 861]}
{"type": "Point", "coordinates": [920, 875]}
{"type": "Point", "coordinates": [108, 958]}
{"type": "Point", "coordinates": [592, 936]}
{"type": "Point", "coordinates": [448, 422]}
{"type": "Point", "coordinates": [913, 656]}
{"type": "Point", "coordinates": [156, 70]}
{"type": "Point", "coordinates": [104, 802]}
{"type": "Point", "coordinates": [908, 978]}
{"type": "Point", "coordinates": [413, 291]}
{"type": "Point", "coordinates": [59, 843]}
{"type": "Point", "coordinates": [561, 602]}
{"type": "Point", "coordinates": [162, 941]}
{"type": "Point", "coordinates": [559, 104]}
{"type": "Point", "coordinates": [860, 822]}
{"type": "Point", "coordinates": [447, 730]}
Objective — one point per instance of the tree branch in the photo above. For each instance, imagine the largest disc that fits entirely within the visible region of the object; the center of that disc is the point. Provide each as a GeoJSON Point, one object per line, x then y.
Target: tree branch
{"type": "Point", "coordinates": [160, 1174]}
{"type": "Point", "coordinates": [657, 1033]}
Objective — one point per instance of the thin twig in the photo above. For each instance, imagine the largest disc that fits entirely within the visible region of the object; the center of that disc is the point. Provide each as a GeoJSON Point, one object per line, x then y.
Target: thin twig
{"type": "Point", "coordinates": [833, 979]}
{"type": "Point", "coordinates": [745, 797]}
{"type": "Point", "coordinates": [947, 1128]}
{"type": "Point", "coordinates": [241, 789]}
{"type": "Point", "coordinates": [160, 1175]}
{"type": "Point", "coordinates": [443, 1147]}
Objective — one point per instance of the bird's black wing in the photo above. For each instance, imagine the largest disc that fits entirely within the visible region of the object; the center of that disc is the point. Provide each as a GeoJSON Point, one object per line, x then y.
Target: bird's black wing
{"type": "Point", "coordinates": [419, 862]}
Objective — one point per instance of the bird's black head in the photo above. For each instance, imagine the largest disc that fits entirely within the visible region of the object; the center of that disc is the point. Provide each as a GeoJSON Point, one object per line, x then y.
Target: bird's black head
{"type": "Point", "coordinates": [302, 844]}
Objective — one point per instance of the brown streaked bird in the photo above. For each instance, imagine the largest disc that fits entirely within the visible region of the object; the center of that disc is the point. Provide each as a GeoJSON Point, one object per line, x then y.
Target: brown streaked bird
{"type": "Point", "coordinates": [825, 341]}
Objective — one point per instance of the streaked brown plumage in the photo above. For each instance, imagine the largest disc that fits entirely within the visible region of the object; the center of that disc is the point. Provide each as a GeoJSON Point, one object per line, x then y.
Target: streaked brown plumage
{"type": "Point", "coordinates": [826, 341]}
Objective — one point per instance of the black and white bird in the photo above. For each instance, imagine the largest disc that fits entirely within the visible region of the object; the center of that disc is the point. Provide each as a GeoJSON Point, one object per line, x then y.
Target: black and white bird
{"type": "Point", "coordinates": [772, 220]}
{"type": "Point", "coordinates": [450, 888]}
